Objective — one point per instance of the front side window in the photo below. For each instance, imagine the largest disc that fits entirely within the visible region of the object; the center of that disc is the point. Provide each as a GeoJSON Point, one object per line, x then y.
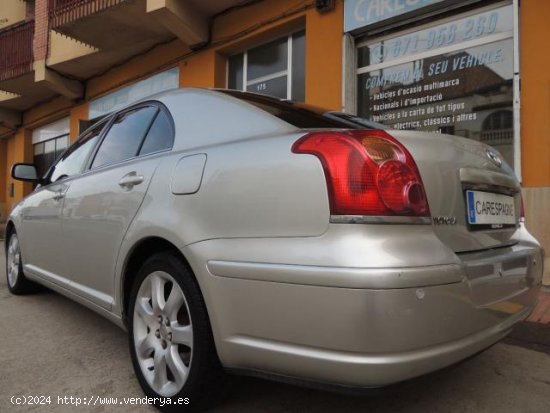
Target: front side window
{"type": "Point", "coordinates": [124, 138]}
{"type": "Point", "coordinates": [73, 160]}
{"type": "Point", "coordinates": [276, 68]}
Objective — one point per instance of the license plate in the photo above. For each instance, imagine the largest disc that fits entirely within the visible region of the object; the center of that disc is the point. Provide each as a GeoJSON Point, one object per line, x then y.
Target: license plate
{"type": "Point", "coordinates": [486, 208]}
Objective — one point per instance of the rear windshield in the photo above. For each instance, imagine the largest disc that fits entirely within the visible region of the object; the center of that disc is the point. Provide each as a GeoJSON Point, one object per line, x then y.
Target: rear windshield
{"type": "Point", "coordinates": [304, 116]}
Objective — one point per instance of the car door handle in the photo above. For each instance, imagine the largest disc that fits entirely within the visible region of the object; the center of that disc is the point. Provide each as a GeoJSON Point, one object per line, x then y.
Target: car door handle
{"type": "Point", "coordinates": [59, 195]}
{"type": "Point", "coordinates": [130, 180]}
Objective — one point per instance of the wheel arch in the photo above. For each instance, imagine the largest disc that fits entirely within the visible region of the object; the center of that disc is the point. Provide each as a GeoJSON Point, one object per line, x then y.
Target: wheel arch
{"type": "Point", "coordinates": [10, 229]}
{"type": "Point", "coordinates": [140, 252]}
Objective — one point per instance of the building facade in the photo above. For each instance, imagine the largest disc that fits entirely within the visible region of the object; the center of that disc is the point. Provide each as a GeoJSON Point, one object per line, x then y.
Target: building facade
{"type": "Point", "coordinates": [473, 68]}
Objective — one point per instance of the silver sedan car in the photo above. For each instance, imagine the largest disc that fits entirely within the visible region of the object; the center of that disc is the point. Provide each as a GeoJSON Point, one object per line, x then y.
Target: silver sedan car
{"type": "Point", "coordinates": [233, 232]}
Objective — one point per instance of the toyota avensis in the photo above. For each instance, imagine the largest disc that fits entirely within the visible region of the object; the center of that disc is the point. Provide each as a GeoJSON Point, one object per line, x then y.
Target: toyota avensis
{"type": "Point", "coordinates": [233, 232]}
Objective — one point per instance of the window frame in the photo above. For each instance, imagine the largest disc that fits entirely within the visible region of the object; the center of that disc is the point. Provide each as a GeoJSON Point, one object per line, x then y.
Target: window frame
{"type": "Point", "coordinates": [288, 72]}
{"type": "Point", "coordinates": [47, 178]}
{"type": "Point", "coordinates": [105, 125]}
{"type": "Point", "coordinates": [108, 128]}
{"type": "Point", "coordinates": [109, 123]}
{"type": "Point", "coordinates": [168, 115]}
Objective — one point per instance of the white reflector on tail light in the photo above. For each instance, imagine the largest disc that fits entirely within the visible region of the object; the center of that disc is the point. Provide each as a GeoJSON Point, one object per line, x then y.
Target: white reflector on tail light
{"type": "Point", "coordinates": [368, 172]}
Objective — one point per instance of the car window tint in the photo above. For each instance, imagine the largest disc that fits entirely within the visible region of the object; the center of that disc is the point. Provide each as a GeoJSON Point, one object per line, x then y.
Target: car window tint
{"type": "Point", "coordinates": [160, 136]}
{"type": "Point", "coordinates": [73, 160]}
{"type": "Point", "coordinates": [297, 114]}
{"type": "Point", "coordinates": [124, 138]}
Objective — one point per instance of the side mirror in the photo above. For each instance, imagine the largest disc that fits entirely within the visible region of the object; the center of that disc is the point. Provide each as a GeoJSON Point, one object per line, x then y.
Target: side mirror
{"type": "Point", "coordinates": [24, 172]}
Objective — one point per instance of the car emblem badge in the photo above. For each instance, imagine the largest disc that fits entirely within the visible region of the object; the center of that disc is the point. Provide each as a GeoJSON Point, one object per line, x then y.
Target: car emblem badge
{"type": "Point", "coordinates": [450, 220]}
{"type": "Point", "coordinates": [494, 157]}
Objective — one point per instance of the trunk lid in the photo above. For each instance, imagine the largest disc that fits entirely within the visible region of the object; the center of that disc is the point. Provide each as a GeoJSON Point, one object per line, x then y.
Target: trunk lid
{"type": "Point", "coordinates": [451, 166]}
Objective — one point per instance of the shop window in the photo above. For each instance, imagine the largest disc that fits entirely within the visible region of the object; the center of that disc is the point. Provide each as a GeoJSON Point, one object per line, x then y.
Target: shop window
{"type": "Point", "coordinates": [46, 152]}
{"type": "Point", "coordinates": [499, 120]}
{"type": "Point", "coordinates": [452, 77]}
{"type": "Point", "coordinates": [276, 68]}
{"type": "Point", "coordinates": [497, 131]}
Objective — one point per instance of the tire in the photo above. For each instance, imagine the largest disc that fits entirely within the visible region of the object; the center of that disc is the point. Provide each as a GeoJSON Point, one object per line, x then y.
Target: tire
{"type": "Point", "coordinates": [171, 342]}
{"type": "Point", "coordinates": [18, 284]}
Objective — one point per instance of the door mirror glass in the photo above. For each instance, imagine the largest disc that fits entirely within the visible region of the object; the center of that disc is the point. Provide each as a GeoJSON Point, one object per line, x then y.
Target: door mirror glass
{"type": "Point", "coordinates": [24, 172]}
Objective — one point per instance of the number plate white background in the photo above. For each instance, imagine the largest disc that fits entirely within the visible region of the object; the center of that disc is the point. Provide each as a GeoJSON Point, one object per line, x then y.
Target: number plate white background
{"type": "Point", "coordinates": [485, 208]}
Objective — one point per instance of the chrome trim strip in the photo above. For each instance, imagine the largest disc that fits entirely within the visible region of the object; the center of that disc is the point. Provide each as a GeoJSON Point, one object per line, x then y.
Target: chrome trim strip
{"type": "Point", "coordinates": [477, 176]}
{"type": "Point", "coordinates": [367, 219]}
{"type": "Point", "coordinates": [494, 189]}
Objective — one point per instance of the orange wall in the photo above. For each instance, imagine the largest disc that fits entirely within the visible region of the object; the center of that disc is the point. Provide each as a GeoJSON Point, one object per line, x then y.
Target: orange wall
{"type": "Point", "coordinates": [19, 149]}
{"type": "Point", "coordinates": [3, 174]}
{"type": "Point", "coordinates": [78, 113]}
{"type": "Point", "coordinates": [199, 71]}
{"type": "Point", "coordinates": [3, 168]}
{"type": "Point", "coordinates": [535, 92]}
{"type": "Point", "coordinates": [247, 17]}
{"type": "Point", "coordinates": [324, 58]}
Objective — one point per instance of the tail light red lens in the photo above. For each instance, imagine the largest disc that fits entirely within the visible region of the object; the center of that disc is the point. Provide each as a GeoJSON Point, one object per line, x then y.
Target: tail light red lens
{"type": "Point", "coordinates": [368, 172]}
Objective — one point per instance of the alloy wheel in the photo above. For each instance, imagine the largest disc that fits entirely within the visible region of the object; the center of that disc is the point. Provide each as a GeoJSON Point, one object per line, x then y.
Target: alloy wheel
{"type": "Point", "coordinates": [163, 333]}
{"type": "Point", "coordinates": [13, 260]}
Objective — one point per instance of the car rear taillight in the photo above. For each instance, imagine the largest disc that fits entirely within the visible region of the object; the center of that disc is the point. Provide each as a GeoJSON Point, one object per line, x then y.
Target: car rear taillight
{"type": "Point", "coordinates": [368, 172]}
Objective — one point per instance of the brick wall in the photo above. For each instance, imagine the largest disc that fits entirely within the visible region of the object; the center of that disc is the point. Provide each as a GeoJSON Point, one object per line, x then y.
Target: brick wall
{"type": "Point", "coordinates": [41, 30]}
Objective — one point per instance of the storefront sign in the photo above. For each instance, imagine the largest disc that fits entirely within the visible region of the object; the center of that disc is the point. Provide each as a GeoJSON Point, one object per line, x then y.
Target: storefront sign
{"type": "Point", "coordinates": [133, 93]}
{"type": "Point", "coordinates": [468, 29]}
{"type": "Point", "coordinates": [359, 13]}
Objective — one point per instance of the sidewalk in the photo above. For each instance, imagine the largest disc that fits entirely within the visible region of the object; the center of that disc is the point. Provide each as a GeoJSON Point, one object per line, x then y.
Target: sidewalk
{"type": "Point", "coordinates": [541, 314]}
{"type": "Point", "coordinates": [534, 333]}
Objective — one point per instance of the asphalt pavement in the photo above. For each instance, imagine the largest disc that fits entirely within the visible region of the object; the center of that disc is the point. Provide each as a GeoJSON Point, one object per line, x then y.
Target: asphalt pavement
{"type": "Point", "coordinates": [51, 346]}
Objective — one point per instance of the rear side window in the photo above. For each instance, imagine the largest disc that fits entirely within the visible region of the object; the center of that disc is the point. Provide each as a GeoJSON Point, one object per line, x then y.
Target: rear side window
{"type": "Point", "coordinates": [160, 137]}
{"type": "Point", "coordinates": [124, 138]}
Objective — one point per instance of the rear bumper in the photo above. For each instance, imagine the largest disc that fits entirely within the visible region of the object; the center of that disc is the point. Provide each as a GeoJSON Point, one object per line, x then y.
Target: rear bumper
{"type": "Point", "coordinates": [367, 328]}
{"type": "Point", "coordinates": [359, 370]}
